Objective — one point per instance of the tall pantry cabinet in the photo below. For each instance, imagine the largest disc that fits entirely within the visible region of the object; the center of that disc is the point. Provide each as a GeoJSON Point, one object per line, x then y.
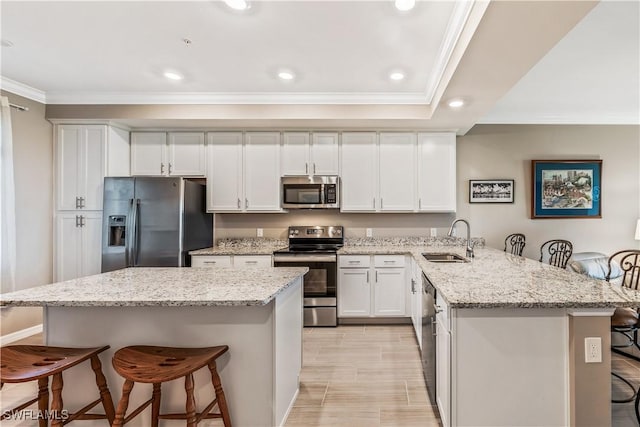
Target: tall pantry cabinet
{"type": "Point", "coordinates": [84, 155]}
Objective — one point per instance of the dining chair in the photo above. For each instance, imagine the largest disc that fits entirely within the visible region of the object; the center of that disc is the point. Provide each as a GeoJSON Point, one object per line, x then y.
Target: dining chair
{"type": "Point", "coordinates": [556, 252]}
{"type": "Point", "coordinates": [514, 243]}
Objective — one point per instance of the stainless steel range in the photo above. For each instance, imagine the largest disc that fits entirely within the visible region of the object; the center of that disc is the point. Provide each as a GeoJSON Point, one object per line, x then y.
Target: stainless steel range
{"type": "Point", "coordinates": [315, 247]}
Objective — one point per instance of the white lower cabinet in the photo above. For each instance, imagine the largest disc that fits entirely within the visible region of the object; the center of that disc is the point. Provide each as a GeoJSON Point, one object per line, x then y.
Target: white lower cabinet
{"type": "Point", "coordinates": [238, 261]}
{"type": "Point", "coordinates": [366, 288]}
{"type": "Point", "coordinates": [443, 362]}
{"type": "Point", "coordinates": [78, 250]}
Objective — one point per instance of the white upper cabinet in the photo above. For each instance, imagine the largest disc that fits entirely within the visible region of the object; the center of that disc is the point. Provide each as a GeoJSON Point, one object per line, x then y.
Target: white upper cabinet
{"type": "Point", "coordinates": [148, 153]}
{"type": "Point", "coordinates": [325, 154]}
{"type": "Point", "coordinates": [315, 154]}
{"type": "Point", "coordinates": [224, 172]}
{"type": "Point", "coordinates": [397, 172]}
{"type": "Point", "coordinates": [359, 177]}
{"type": "Point", "coordinates": [243, 177]}
{"type": "Point", "coordinates": [295, 153]}
{"type": "Point", "coordinates": [178, 154]}
{"type": "Point", "coordinates": [436, 172]}
{"type": "Point", "coordinates": [186, 154]}
{"type": "Point", "coordinates": [262, 171]}
{"type": "Point", "coordinates": [81, 161]}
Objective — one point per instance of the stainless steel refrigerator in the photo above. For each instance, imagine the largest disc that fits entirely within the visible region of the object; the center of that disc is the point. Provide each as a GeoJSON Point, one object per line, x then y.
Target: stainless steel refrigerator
{"type": "Point", "coordinates": [153, 222]}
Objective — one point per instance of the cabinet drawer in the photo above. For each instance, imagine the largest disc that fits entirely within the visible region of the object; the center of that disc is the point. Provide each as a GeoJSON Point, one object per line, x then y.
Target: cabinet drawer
{"type": "Point", "coordinates": [211, 261]}
{"type": "Point", "coordinates": [388, 261]}
{"type": "Point", "coordinates": [245, 261]}
{"type": "Point", "coordinates": [354, 261]}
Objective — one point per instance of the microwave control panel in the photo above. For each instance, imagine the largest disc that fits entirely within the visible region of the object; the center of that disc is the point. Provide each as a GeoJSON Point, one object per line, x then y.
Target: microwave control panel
{"type": "Point", "coordinates": [330, 194]}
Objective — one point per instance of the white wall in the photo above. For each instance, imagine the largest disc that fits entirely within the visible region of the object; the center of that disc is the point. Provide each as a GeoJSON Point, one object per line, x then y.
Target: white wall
{"type": "Point", "coordinates": [33, 166]}
{"type": "Point", "coordinates": [506, 151]}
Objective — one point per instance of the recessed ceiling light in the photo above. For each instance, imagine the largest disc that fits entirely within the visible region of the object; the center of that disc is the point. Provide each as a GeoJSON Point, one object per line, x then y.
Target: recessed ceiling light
{"type": "Point", "coordinates": [286, 75]}
{"type": "Point", "coordinates": [455, 103]}
{"type": "Point", "coordinates": [396, 75]}
{"type": "Point", "coordinates": [6, 43]}
{"type": "Point", "coordinates": [405, 5]}
{"type": "Point", "coordinates": [172, 75]}
{"type": "Point", "coordinates": [238, 4]}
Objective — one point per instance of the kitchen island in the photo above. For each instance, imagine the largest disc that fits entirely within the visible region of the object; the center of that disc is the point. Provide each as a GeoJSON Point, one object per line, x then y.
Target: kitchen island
{"type": "Point", "coordinates": [256, 312]}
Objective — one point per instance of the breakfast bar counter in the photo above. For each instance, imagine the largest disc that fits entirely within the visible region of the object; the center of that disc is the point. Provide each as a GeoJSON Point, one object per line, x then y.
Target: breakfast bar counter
{"type": "Point", "coordinates": [257, 313]}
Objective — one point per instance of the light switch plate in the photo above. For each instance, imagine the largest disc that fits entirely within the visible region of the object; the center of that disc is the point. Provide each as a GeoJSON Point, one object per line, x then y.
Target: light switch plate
{"type": "Point", "coordinates": [369, 232]}
{"type": "Point", "coordinates": [434, 232]}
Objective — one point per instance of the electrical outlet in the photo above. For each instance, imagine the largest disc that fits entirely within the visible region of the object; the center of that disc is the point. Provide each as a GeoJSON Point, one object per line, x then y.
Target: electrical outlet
{"type": "Point", "coordinates": [434, 232]}
{"type": "Point", "coordinates": [259, 232]}
{"type": "Point", "coordinates": [369, 232]}
{"type": "Point", "coordinates": [593, 350]}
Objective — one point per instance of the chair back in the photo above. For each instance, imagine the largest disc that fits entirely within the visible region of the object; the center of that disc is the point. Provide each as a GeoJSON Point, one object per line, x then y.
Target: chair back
{"type": "Point", "coordinates": [556, 252]}
{"type": "Point", "coordinates": [628, 263]}
{"type": "Point", "coordinates": [514, 243]}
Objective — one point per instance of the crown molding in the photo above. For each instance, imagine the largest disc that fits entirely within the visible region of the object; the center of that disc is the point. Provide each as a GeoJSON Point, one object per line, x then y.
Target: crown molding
{"type": "Point", "coordinates": [562, 119]}
{"type": "Point", "coordinates": [233, 98]}
{"type": "Point", "coordinates": [23, 90]}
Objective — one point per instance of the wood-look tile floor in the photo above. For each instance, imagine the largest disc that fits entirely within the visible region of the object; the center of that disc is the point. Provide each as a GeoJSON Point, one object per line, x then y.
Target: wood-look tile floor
{"type": "Point", "coordinates": [361, 376]}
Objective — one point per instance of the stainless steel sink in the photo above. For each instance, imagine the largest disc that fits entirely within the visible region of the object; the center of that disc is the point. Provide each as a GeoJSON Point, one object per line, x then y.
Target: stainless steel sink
{"type": "Point", "coordinates": [443, 257]}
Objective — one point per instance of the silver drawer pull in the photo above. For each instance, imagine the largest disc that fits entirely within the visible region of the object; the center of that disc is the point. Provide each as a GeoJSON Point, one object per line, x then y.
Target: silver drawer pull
{"type": "Point", "coordinates": [251, 262]}
{"type": "Point", "coordinates": [354, 262]}
{"type": "Point", "coordinates": [209, 262]}
{"type": "Point", "coordinates": [387, 262]}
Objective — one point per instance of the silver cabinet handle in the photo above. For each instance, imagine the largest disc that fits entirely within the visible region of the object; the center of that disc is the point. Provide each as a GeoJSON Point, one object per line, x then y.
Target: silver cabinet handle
{"type": "Point", "coordinates": [82, 221]}
{"type": "Point", "coordinates": [314, 168]}
{"type": "Point", "coordinates": [251, 262]}
{"type": "Point", "coordinates": [419, 203]}
{"type": "Point", "coordinates": [161, 168]}
{"type": "Point", "coordinates": [306, 168]}
{"type": "Point", "coordinates": [169, 168]}
{"type": "Point", "coordinates": [209, 262]}
{"type": "Point", "coordinates": [438, 309]}
{"type": "Point", "coordinates": [374, 203]}
{"type": "Point", "coordinates": [381, 203]}
{"type": "Point", "coordinates": [354, 262]}
{"type": "Point", "coordinates": [238, 203]}
{"type": "Point", "coordinates": [77, 202]}
{"type": "Point", "coordinates": [433, 326]}
{"type": "Point", "coordinates": [81, 202]}
{"type": "Point", "coordinates": [77, 220]}
{"type": "Point", "coordinates": [246, 203]}
{"type": "Point", "coordinates": [367, 276]}
{"type": "Point", "coordinates": [376, 276]}
{"type": "Point", "coordinates": [389, 262]}
{"type": "Point", "coordinates": [413, 286]}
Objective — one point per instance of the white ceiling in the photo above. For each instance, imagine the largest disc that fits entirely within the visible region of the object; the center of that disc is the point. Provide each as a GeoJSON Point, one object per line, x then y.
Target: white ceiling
{"type": "Point", "coordinates": [91, 52]}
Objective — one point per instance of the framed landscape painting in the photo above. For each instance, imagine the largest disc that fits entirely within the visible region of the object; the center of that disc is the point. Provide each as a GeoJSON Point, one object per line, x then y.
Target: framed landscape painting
{"type": "Point", "coordinates": [566, 189]}
{"type": "Point", "coordinates": [491, 190]}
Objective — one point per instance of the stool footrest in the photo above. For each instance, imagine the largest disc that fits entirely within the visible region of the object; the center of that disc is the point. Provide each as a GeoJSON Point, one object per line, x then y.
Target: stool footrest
{"type": "Point", "coordinates": [199, 416]}
{"type": "Point", "coordinates": [137, 411]}
{"type": "Point", "coordinates": [8, 413]}
{"type": "Point", "coordinates": [82, 415]}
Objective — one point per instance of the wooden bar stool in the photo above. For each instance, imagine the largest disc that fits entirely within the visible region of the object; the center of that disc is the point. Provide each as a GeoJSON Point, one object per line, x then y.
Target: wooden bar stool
{"type": "Point", "coordinates": [24, 363]}
{"type": "Point", "coordinates": [155, 365]}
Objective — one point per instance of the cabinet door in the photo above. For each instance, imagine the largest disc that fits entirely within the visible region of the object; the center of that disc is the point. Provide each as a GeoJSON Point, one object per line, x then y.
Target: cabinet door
{"type": "Point", "coordinates": [354, 292]}
{"type": "Point", "coordinates": [186, 154]}
{"type": "Point", "coordinates": [325, 154]}
{"type": "Point", "coordinates": [68, 247]}
{"type": "Point", "coordinates": [390, 292]}
{"type": "Point", "coordinates": [397, 172]}
{"type": "Point", "coordinates": [224, 172]}
{"type": "Point", "coordinates": [443, 373]}
{"type": "Point", "coordinates": [295, 153]}
{"type": "Point", "coordinates": [359, 177]}
{"type": "Point", "coordinates": [68, 143]}
{"type": "Point", "coordinates": [93, 161]}
{"type": "Point", "coordinates": [148, 153]}
{"type": "Point", "coordinates": [437, 172]}
{"type": "Point", "coordinates": [91, 236]}
{"type": "Point", "coordinates": [262, 171]}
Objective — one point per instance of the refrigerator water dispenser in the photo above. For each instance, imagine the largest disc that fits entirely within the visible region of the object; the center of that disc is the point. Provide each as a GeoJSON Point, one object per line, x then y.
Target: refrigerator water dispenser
{"type": "Point", "coordinates": [117, 230]}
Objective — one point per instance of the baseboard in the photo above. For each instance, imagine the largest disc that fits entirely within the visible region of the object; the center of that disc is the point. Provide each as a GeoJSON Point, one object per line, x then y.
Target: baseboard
{"type": "Point", "coordinates": [293, 401]}
{"type": "Point", "coordinates": [374, 321]}
{"type": "Point", "coordinates": [18, 335]}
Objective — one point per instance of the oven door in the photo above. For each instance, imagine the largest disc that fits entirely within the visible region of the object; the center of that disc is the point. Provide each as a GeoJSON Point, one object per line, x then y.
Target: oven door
{"type": "Point", "coordinates": [320, 286]}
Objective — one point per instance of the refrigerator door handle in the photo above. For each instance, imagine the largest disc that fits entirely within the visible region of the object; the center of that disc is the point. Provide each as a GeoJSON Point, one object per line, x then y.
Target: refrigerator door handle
{"type": "Point", "coordinates": [129, 234]}
{"type": "Point", "coordinates": [136, 231]}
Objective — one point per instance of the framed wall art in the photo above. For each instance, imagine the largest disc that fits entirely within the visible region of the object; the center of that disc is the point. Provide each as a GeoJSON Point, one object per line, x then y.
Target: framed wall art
{"type": "Point", "coordinates": [566, 189]}
{"type": "Point", "coordinates": [491, 190]}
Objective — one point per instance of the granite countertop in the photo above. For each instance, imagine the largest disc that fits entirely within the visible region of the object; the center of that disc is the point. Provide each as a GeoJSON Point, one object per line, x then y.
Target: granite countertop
{"type": "Point", "coordinates": [245, 246]}
{"type": "Point", "coordinates": [495, 279]}
{"type": "Point", "coordinates": [162, 286]}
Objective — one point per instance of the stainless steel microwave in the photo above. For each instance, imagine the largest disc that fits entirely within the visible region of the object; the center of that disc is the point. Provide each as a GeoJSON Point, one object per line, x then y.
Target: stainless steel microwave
{"type": "Point", "coordinates": [310, 192]}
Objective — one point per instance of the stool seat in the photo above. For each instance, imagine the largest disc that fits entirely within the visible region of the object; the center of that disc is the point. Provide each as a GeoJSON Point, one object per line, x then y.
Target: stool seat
{"type": "Point", "coordinates": [25, 363]}
{"type": "Point", "coordinates": [150, 364]}
{"type": "Point", "coordinates": [156, 365]}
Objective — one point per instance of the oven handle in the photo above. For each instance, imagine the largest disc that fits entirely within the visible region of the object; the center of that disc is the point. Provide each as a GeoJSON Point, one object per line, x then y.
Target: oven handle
{"type": "Point", "coordinates": [304, 258]}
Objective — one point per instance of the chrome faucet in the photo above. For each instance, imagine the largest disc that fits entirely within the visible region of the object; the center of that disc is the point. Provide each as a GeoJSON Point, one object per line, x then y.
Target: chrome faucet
{"type": "Point", "coordinates": [469, 242]}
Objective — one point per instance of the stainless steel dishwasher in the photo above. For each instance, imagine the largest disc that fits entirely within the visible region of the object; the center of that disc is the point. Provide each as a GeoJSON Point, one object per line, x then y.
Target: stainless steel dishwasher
{"type": "Point", "coordinates": [429, 337]}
